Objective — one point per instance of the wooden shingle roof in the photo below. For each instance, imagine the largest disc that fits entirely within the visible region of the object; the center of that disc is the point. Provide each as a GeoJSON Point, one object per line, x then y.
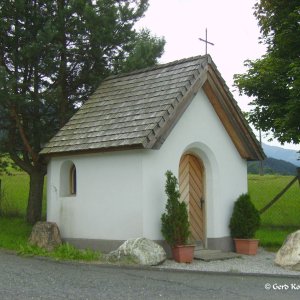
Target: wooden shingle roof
{"type": "Point", "coordinates": [139, 109]}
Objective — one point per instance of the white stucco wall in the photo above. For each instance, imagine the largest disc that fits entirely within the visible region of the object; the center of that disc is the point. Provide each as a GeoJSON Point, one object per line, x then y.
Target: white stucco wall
{"type": "Point", "coordinates": [198, 131]}
{"type": "Point", "coordinates": [120, 195]}
{"type": "Point", "coordinates": [107, 204]}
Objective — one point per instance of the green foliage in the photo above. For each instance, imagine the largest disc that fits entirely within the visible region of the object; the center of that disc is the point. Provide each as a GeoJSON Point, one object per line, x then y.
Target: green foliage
{"type": "Point", "coordinates": [245, 219]}
{"type": "Point", "coordinates": [272, 166]}
{"type": "Point", "coordinates": [62, 252]}
{"type": "Point", "coordinates": [29, 250]}
{"type": "Point", "coordinates": [123, 260]}
{"type": "Point", "coordinates": [67, 251]}
{"type": "Point", "coordinates": [274, 80]}
{"type": "Point", "coordinates": [14, 192]}
{"type": "Point", "coordinates": [3, 165]}
{"type": "Point", "coordinates": [7, 166]}
{"type": "Point", "coordinates": [175, 222]}
{"type": "Point", "coordinates": [53, 56]}
{"type": "Point", "coordinates": [286, 211]}
{"type": "Point", "coordinates": [52, 63]}
{"type": "Point", "coordinates": [14, 232]}
{"type": "Point", "coordinates": [146, 49]}
{"type": "Point", "coordinates": [273, 238]}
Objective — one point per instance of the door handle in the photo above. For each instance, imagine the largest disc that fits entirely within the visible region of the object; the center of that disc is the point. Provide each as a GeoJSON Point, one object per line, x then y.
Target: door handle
{"type": "Point", "coordinates": [202, 201]}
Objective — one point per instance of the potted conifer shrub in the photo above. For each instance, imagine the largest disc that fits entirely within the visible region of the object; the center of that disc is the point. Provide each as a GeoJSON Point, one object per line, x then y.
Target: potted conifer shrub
{"type": "Point", "coordinates": [175, 222]}
{"type": "Point", "coordinates": [244, 222]}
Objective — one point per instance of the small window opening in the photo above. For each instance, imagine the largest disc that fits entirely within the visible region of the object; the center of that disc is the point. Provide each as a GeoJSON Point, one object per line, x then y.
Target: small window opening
{"type": "Point", "coordinates": [73, 180]}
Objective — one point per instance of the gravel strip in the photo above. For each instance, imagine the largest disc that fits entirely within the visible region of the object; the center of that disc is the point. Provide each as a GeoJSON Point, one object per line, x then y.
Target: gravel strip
{"type": "Point", "coordinates": [262, 263]}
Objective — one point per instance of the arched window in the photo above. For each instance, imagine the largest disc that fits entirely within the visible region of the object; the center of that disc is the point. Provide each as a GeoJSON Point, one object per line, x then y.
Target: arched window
{"type": "Point", "coordinates": [68, 179]}
{"type": "Point", "coordinates": [73, 180]}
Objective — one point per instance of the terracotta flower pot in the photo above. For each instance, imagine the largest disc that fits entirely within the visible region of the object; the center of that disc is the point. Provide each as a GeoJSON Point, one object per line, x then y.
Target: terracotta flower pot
{"type": "Point", "coordinates": [246, 246]}
{"type": "Point", "coordinates": [183, 253]}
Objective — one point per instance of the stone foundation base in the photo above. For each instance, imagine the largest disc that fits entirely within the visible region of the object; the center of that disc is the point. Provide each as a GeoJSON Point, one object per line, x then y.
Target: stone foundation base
{"type": "Point", "coordinates": [106, 246]}
{"type": "Point", "coordinates": [223, 243]}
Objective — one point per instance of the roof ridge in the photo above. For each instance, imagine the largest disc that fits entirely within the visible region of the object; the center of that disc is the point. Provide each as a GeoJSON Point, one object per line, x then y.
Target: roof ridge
{"type": "Point", "coordinates": [158, 66]}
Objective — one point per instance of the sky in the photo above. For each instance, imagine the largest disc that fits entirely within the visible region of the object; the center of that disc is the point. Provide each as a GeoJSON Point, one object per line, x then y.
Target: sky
{"type": "Point", "coordinates": [231, 27]}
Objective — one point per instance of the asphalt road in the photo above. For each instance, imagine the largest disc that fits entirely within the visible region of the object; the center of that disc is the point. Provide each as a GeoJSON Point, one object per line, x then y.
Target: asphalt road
{"type": "Point", "coordinates": [33, 278]}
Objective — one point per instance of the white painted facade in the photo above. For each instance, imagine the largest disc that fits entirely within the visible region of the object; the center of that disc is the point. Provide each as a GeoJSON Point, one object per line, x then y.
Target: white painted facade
{"type": "Point", "coordinates": [120, 194]}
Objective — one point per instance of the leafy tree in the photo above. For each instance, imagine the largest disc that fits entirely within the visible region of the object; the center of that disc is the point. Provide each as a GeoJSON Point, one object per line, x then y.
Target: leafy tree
{"type": "Point", "coordinates": [145, 50]}
{"type": "Point", "coordinates": [53, 54]}
{"type": "Point", "coordinates": [3, 165]}
{"type": "Point", "coordinates": [274, 79]}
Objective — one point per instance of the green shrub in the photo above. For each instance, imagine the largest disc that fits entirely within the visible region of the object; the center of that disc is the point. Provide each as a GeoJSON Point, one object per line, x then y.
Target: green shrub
{"type": "Point", "coordinates": [175, 222]}
{"type": "Point", "coordinates": [245, 219]}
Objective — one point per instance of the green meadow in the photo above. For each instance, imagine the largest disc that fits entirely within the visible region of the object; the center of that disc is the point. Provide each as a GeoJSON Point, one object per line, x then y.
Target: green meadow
{"type": "Point", "coordinates": [286, 211]}
{"type": "Point", "coordinates": [14, 194]}
{"type": "Point", "coordinates": [281, 218]}
{"type": "Point", "coordinates": [277, 222]}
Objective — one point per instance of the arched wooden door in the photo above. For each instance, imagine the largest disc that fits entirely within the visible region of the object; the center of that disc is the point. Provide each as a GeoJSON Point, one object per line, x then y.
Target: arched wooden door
{"type": "Point", "coordinates": [191, 183]}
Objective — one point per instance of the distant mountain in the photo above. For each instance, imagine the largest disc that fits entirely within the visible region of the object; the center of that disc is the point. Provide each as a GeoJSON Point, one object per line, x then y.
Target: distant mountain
{"type": "Point", "coordinates": [279, 161]}
{"type": "Point", "coordinates": [288, 155]}
{"type": "Point", "coordinates": [272, 166]}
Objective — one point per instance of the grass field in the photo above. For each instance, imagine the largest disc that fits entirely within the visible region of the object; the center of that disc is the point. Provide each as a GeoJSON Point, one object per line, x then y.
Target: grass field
{"type": "Point", "coordinates": [284, 216]}
{"type": "Point", "coordinates": [286, 211]}
{"type": "Point", "coordinates": [277, 222]}
{"type": "Point", "coordinates": [14, 195]}
{"type": "Point", "coordinates": [14, 232]}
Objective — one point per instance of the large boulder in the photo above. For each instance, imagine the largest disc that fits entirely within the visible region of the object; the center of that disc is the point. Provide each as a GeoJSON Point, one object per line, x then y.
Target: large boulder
{"type": "Point", "coordinates": [289, 253]}
{"type": "Point", "coordinates": [45, 235]}
{"type": "Point", "coordinates": [141, 250]}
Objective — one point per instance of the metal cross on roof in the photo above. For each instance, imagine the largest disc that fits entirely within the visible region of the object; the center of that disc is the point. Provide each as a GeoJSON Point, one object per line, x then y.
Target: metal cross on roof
{"type": "Point", "coordinates": [206, 41]}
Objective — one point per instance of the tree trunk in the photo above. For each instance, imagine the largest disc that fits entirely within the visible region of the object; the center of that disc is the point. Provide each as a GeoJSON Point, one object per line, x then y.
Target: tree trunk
{"type": "Point", "coordinates": [35, 200]}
